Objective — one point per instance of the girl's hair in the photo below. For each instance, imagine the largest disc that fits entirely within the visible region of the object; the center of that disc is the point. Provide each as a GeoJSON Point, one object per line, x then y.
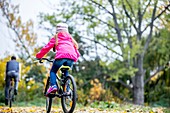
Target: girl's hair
{"type": "Point", "coordinates": [56, 42]}
{"type": "Point", "coordinates": [56, 39]}
{"type": "Point", "coordinates": [75, 43]}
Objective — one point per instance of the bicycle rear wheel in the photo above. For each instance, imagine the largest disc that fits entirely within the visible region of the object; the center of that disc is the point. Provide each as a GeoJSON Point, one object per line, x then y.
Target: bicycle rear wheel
{"type": "Point", "coordinates": [68, 100]}
{"type": "Point", "coordinates": [10, 97]}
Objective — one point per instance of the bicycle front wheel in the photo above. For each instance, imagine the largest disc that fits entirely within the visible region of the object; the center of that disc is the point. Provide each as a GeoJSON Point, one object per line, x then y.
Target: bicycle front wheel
{"type": "Point", "coordinates": [49, 98]}
{"type": "Point", "coordinates": [68, 100]}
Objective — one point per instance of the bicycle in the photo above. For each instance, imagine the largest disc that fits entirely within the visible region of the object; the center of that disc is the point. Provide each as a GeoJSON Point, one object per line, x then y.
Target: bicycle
{"type": "Point", "coordinates": [11, 93]}
{"type": "Point", "coordinates": [66, 90]}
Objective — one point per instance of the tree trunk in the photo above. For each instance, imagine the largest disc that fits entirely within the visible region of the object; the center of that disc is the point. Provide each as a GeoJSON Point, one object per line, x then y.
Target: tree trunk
{"type": "Point", "coordinates": [138, 83]}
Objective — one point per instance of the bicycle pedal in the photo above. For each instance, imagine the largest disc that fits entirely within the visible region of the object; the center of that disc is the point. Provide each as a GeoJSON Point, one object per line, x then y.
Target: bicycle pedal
{"type": "Point", "coordinates": [51, 95]}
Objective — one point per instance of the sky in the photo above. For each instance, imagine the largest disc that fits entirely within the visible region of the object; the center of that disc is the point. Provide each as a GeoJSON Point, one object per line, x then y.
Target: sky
{"type": "Point", "coordinates": [29, 9]}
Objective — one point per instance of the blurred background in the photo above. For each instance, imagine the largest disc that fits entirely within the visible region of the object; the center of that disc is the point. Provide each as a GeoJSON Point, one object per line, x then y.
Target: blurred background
{"type": "Point", "coordinates": [124, 46]}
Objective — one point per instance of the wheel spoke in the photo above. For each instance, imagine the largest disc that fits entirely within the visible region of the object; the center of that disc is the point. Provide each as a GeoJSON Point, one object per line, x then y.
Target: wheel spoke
{"type": "Point", "coordinates": [69, 102]}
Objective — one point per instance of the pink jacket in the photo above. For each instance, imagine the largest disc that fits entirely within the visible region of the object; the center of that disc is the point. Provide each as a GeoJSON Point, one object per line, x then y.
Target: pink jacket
{"type": "Point", "coordinates": [65, 47]}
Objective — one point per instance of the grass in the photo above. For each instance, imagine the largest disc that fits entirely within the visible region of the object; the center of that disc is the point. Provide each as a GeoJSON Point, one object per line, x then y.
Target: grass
{"type": "Point", "coordinates": [36, 102]}
{"type": "Point", "coordinates": [127, 107]}
{"type": "Point", "coordinates": [166, 110]}
{"type": "Point", "coordinates": [101, 106]}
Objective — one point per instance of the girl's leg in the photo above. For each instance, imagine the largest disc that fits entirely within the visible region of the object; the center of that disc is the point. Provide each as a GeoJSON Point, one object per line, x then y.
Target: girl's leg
{"type": "Point", "coordinates": [53, 83]}
{"type": "Point", "coordinates": [69, 63]}
{"type": "Point", "coordinates": [56, 65]}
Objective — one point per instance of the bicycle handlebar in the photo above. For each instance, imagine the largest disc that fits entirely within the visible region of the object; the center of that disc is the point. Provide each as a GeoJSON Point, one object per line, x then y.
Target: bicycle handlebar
{"type": "Point", "coordinates": [41, 60]}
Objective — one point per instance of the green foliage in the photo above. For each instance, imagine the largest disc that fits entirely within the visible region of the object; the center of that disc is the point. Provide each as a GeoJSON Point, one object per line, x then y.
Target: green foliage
{"type": "Point", "coordinates": [2, 95]}
{"type": "Point", "coordinates": [82, 96]}
{"type": "Point", "coordinates": [48, 18]}
{"type": "Point", "coordinates": [3, 71]}
{"type": "Point", "coordinates": [30, 92]}
{"type": "Point", "coordinates": [167, 110]}
{"type": "Point", "coordinates": [158, 52]}
{"type": "Point", "coordinates": [157, 91]}
{"type": "Point", "coordinates": [131, 52]}
{"type": "Point", "coordinates": [38, 73]}
{"type": "Point", "coordinates": [116, 72]}
{"type": "Point", "coordinates": [40, 101]}
{"type": "Point", "coordinates": [89, 9]}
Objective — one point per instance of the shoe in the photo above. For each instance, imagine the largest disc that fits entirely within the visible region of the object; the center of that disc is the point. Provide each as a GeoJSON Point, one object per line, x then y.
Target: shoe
{"type": "Point", "coordinates": [51, 89]}
{"type": "Point", "coordinates": [6, 102]}
{"type": "Point", "coordinates": [15, 92]}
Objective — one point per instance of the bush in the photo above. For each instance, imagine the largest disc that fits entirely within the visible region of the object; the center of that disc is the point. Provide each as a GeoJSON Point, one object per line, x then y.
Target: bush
{"type": "Point", "coordinates": [2, 96]}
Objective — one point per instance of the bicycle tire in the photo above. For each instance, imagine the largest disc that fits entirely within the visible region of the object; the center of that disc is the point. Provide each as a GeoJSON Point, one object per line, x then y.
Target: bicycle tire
{"type": "Point", "coordinates": [10, 97]}
{"type": "Point", "coordinates": [47, 85]}
{"type": "Point", "coordinates": [48, 99]}
{"type": "Point", "coordinates": [48, 104]}
{"type": "Point", "coordinates": [72, 98]}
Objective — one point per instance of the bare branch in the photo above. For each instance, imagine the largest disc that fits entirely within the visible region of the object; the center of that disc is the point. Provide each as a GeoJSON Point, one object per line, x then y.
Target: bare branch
{"type": "Point", "coordinates": [127, 33]}
{"type": "Point", "coordinates": [142, 14]}
{"type": "Point", "coordinates": [146, 8]}
{"type": "Point", "coordinates": [166, 8]}
{"type": "Point", "coordinates": [92, 16]}
{"type": "Point", "coordinates": [156, 17]}
{"type": "Point", "coordinates": [15, 30]}
{"type": "Point", "coordinates": [158, 70]}
{"type": "Point", "coordinates": [26, 49]}
{"type": "Point", "coordinates": [100, 6]}
{"type": "Point", "coordinates": [151, 28]}
{"type": "Point", "coordinates": [127, 14]}
{"type": "Point", "coordinates": [130, 6]}
{"type": "Point", "coordinates": [117, 28]}
{"type": "Point", "coordinates": [125, 85]}
{"type": "Point", "coordinates": [139, 20]}
{"type": "Point", "coordinates": [102, 45]}
{"type": "Point", "coordinates": [113, 14]}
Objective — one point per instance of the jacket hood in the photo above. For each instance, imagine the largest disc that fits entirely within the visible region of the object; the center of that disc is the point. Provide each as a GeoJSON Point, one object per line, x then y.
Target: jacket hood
{"type": "Point", "coordinates": [63, 35]}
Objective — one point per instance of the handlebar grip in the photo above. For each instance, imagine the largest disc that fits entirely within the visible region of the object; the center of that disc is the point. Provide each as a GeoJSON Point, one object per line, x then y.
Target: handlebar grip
{"type": "Point", "coordinates": [40, 61]}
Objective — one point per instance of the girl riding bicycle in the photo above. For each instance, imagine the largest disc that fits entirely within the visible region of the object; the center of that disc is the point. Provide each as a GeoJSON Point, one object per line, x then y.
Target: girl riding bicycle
{"type": "Point", "coordinates": [67, 53]}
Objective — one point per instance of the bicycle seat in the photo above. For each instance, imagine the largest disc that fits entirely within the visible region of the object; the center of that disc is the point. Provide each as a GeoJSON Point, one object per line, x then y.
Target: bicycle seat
{"type": "Point", "coordinates": [63, 68]}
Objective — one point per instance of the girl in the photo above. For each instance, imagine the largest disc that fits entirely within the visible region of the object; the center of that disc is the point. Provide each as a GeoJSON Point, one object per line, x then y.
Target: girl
{"type": "Point", "coordinates": [67, 53]}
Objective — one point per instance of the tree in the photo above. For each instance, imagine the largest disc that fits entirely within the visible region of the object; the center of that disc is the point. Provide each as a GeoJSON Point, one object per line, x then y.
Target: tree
{"type": "Point", "coordinates": [124, 28]}
{"type": "Point", "coordinates": [24, 38]}
{"type": "Point", "coordinates": [22, 34]}
{"type": "Point", "coordinates": [157, 57]}
{"type": "Point", "coordinates": [2, 71]}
